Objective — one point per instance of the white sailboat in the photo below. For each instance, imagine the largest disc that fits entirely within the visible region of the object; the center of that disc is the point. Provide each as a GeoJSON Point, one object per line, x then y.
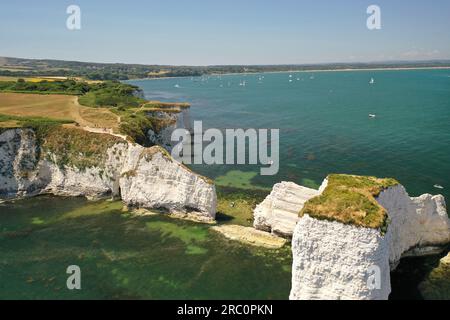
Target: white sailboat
{"type": "Point", "coordinates": [372, 81]}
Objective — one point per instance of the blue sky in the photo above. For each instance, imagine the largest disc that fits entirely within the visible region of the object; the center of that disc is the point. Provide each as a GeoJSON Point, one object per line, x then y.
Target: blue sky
{"type": "Point", "coordinates": [205, 32]}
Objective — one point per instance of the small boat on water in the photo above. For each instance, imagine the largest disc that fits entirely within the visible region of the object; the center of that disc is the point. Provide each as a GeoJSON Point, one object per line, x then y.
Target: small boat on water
{"type": "Point", "coordinates": [372, 81]}
{"type": "Point", "coordinates": [372, 116]}
{"type": "Point", "coordinates": [437, 186]}
{"type": "Point", "coordinates": [177, 86]}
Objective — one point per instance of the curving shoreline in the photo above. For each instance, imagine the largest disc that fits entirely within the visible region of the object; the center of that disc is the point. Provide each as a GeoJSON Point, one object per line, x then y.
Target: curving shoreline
{"type": "Point", "coordinates": [301, 71]}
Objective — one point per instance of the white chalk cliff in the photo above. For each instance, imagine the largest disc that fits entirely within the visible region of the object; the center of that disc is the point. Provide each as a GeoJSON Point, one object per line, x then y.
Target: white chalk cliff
{"type": "Point", "coordinates": [416, 223]}
{"type": "Point", "coordinates": [333, 260]}
{"type": "Point", "coordinates": [278, 213]}
{"type": "Point", "coordinates": [143, 177]}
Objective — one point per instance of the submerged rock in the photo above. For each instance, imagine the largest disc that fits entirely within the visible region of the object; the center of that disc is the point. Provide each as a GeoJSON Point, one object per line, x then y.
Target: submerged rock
{"type": "Point", "coordinates": [250, 236]}
{"type": "Point", "coordinates": [72, 162]}
{"type": "Point", "coordinates": [333, 261]}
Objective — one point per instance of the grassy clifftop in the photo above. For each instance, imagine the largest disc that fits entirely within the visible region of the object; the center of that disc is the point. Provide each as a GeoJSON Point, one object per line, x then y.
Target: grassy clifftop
{"type": "Point", "coordinates": [76, 147]}
{"type": "Point", "coordinates": [101, 94]}
{"type": "Point", "coordinates": [67, 145]}
{"type": "Point", "coordinates": [109, 104]}
{"type": "Point", "coordinates": [351, 200]}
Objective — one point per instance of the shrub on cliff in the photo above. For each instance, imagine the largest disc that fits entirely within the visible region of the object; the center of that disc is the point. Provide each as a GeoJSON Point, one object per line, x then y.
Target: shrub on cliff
{"type": "Point", "coordinates": [111, 94]}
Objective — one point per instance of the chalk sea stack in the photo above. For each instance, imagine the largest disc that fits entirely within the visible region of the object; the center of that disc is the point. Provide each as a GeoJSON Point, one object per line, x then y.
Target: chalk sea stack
{"type": "Point", "coordinates": [349, 236]}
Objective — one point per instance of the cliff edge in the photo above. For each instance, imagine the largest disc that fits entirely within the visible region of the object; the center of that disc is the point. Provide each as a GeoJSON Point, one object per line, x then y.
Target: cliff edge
{"type": "Point", "coordinates": [348, 235]}
{"type": "Point", "coordinates": [72, 162]}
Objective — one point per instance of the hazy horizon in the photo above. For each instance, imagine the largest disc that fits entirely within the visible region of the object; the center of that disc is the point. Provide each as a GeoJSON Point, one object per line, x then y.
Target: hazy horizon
{"type": "Point", "coordinates": [245, 65]}
{"type": "Point", "coordinates": [205, 33]}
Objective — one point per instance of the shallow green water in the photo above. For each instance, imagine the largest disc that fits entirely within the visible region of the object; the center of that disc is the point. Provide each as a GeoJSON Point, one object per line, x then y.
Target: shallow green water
{"type": "Point", "coordinates": [324, 128]}
{"type": "Point", "coordinates": [325, 124]}
{"type": "Point", "coordinates": [122, 256]}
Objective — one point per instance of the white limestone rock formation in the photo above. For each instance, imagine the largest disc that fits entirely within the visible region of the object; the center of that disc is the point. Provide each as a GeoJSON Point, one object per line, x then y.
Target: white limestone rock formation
{"type": "Point", "coordinates": [333, 260]}
{"type": "Point", "coordinates": [278, 213]}
{"type": "Point", "coordinates": [143, 177]}
{"type": "Point", "coordinates": [416, 223]}
{"type": "Point", "coordinates": [436, 285]}
{"type": "Point", "coordinates": [174, 187]}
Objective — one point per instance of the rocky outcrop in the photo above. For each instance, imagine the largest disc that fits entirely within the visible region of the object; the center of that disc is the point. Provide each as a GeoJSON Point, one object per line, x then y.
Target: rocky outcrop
{"type": "Point", "coordinates": [169, 120]}
{"type": "Point", "coordinates": [337, 260]}
{"type": "Point", "coordinates": [250, 236]}
{"type": "Point", "coordinates": [72, 162]}
{"type": "Point", "coordinates": [436, 285]}
{"type": "Point", "coordinates": [278, 213]}
{"type": "Point", "coordinates": [446, 260]}
{"type": "Point", "coordinates": [416, 223]}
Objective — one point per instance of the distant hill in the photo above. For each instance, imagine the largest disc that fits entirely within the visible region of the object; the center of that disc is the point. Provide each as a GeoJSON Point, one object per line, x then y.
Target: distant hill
{"type": "Point", "coordinates": [17, 67]}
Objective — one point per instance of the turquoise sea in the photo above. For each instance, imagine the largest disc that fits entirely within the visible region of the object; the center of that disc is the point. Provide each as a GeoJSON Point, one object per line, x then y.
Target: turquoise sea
{"type": "Point", "coordinates": [325, 127]}
{"type": "Point", "coordinates": [324, 123]}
